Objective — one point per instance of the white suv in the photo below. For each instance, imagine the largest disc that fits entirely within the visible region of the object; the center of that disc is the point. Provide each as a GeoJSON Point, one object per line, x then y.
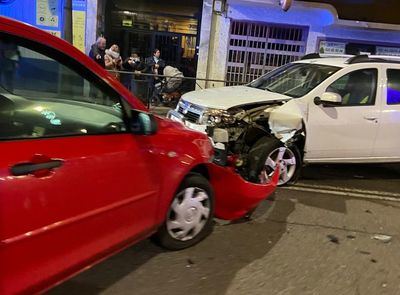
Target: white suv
{"type": "Point", "coordinates": [316, 110]}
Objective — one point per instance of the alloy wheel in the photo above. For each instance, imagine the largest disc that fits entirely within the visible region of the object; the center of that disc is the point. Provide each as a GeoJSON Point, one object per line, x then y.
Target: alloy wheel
{"type": "Point", "coordinates": [282, 158]}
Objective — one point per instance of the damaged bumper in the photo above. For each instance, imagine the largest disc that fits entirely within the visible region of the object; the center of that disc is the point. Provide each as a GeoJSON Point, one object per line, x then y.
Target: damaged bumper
{"type": "Point", "coordinates": [234, 196]}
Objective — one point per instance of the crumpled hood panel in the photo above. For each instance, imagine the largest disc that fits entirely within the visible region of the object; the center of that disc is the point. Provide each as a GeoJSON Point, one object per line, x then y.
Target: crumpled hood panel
{"type": "Point", "coordinates": [224, 98]}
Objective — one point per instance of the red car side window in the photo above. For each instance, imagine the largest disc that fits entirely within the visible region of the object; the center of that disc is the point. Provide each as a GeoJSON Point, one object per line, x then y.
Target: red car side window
{"type": "Point", "coordinates": [42, 97]}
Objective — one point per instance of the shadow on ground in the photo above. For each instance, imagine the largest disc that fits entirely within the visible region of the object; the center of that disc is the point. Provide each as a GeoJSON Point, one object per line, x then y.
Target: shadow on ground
{"type": "Point", "coordinates": [208, 268]}
{"type": "Point", "coordinates": [351, 171]}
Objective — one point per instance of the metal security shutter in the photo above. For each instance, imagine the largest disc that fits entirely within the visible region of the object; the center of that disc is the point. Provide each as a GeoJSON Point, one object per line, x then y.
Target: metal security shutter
{"type": "Point", "coordinates": [257, 48]}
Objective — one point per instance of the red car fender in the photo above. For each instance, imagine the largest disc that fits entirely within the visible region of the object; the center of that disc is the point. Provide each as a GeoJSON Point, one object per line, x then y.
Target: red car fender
{"type": "Point", "coordinates": [234, 196]}
{"type": "Point", "coordinates": [177, 152]}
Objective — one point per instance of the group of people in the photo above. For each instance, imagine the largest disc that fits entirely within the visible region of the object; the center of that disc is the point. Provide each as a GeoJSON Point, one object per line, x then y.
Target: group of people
{"type": "Point", "coordinates": [111, 60]}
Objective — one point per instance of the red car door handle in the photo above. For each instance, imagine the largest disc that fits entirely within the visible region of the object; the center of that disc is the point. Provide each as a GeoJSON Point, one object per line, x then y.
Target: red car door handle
{"type": "Point", "coordinates": [33, 168]}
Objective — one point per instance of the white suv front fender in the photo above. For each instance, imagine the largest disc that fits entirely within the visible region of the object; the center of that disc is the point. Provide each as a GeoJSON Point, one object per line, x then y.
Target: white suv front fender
{"type": "Point", "coordinates": [286, 120]}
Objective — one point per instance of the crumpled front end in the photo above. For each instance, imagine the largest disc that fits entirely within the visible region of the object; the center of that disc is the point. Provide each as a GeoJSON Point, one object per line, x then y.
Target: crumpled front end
{"type": "Point", "coordinates": [234, 196]}
{"type": "Point", "coordinates": [285, 121]}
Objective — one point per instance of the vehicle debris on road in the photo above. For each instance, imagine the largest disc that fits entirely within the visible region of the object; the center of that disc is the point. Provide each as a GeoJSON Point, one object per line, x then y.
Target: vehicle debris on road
{"type": "Point", "coordinates": [382, 238]}
{"type": "Point", "coordinates": [333, 239]}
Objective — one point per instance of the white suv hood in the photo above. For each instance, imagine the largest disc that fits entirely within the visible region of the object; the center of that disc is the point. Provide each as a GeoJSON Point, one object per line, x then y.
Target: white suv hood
{"type": "Point", "coordinates": [224, 98]}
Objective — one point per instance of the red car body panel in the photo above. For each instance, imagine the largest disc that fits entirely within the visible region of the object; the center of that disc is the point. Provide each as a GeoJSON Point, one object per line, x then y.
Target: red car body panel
{"type": "Point", "coordinates": [111, 190]}
{"type": "Point", "coordinates": [234, 201]}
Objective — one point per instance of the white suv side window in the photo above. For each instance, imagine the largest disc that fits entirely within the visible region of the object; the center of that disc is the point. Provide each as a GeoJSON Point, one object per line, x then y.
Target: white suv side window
{"type": "Point", "coordinates": [357, 88]}
{"type": "Point", "coordinates": [42, 95]}
{"type": "Point", "coordinates": [393, 87]}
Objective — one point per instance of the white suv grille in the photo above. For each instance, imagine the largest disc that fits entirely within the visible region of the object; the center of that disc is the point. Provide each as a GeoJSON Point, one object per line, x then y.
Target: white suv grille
{"type": "Point", "coordinates": [190, 112]}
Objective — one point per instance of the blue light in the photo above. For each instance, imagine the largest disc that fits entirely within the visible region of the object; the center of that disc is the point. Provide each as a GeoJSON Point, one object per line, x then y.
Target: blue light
{"type": "Point", "coordinates": [318, 17]}
{"type": "Point", "coordinates": [393, 96]}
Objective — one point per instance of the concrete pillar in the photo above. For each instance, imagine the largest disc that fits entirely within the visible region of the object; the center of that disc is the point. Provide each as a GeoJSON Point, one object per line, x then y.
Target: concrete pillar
{"type": "Point", "coordinates": [312, 41]}
{"type": "Point", "coordinates": [204, 44]}
{"type": "Point", "coordinates": [218, 50]}
{"type": "Point", "coordinates": [213, 49]}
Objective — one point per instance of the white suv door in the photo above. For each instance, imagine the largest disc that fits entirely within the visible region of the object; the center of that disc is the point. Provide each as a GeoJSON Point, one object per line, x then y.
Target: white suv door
{"type": "Point", "coordinates": [387, 146]}
{"type": "Point", "coordinates": [346, 133]}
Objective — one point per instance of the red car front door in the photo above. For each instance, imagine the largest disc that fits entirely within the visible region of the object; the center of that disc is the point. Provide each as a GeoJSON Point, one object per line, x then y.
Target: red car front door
{"type": "Point", "coordinates": [75, 185]}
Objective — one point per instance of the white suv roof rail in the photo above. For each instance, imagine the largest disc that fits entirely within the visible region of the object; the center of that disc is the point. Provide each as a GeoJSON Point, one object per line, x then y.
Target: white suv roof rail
{"type": "Point", "coordinates": [336, 55]}
{"type": "Point", "coordinates": [386, 57]}
{"type": "Point", "coordinates": [363, 58]}
{"type": "Point", "coordinates": [323, 55]}
{"type": "Point", "coordinates": [352, 59]}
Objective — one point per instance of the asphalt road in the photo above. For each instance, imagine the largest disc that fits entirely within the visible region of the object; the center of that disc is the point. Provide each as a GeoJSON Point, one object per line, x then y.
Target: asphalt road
{"type": "Point", "coordinates": [312, 238]}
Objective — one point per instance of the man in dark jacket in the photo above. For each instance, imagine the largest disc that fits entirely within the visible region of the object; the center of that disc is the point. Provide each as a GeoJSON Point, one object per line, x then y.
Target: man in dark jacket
{"type": "Point", "coordinates": [134, 64]}
{"type": "Point", "coordinates": [98, 51]}
{"type": "Point", "coordinates": [154, 65]}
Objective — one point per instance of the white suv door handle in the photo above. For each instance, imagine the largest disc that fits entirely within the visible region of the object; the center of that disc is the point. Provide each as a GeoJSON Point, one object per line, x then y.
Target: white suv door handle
{"type": "Point", "coordinates": [370, 118]}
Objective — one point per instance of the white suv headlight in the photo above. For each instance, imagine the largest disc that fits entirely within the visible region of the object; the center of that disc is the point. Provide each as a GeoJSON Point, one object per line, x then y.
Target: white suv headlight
{"type": "Point", "coordinates": [214, 117]}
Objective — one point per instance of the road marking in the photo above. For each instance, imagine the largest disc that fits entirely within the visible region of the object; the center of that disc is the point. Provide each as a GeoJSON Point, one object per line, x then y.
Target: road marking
{"type": "Point", "coordinates": [346, 192]}
{"type": "Point", "coordinates": [352, 190]}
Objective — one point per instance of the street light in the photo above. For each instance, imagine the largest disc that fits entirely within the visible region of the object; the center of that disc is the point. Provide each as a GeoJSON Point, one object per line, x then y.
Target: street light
{"type": "Point", "coordinates": [286, 4]}
{"type": "Point", "coordinates": [219, 6]}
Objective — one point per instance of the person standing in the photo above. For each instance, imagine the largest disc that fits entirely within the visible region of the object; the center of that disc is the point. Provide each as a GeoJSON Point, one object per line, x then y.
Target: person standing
{"type": "Point", "coordinates": [113, 61]}
{"type": "Point", "coordinates": [135, 82]}
{"type": "Point", "coordinates": [9, 61]}
{"type": "Point", "coordinates": [98, 51]}
{"type": "Point", "coordinates": [154, 65]}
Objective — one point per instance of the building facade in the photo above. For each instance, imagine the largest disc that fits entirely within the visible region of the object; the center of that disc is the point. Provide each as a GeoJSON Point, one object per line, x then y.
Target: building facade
{"type": "Point", "coordinates": [251, 37]}
{"type": "Point", "coordinates": [231, 40]}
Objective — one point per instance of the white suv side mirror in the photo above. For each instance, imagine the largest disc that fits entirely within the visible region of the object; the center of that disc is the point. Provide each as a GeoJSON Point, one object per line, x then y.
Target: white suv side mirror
{"type": "Point", "coordinates": [329, 99]}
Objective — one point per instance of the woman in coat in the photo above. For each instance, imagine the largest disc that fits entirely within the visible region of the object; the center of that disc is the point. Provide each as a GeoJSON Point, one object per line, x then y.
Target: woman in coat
{"type": "Point", "coordinates": [113, 61]}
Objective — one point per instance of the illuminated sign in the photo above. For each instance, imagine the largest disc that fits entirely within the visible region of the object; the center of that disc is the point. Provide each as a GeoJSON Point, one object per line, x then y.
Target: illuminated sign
{"type": "Point", "coordinates": [47, 12]}
{"type": "Point", "coordinates": [389, 51]}
{"type": "Point", "coordinates": [328, 47]}
{"type": "Point", "coordinates": [79, 24]}
{"type": "Point", "coordinates": [44, 14]}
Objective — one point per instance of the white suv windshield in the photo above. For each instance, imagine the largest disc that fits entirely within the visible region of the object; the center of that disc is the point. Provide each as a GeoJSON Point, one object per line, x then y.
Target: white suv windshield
{"type": "Point", "coordinates": [295, 79]}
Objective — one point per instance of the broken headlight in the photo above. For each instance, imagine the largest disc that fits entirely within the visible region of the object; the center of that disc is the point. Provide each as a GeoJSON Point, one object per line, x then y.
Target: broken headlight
{"type": "Point", "coordinates": [215, 117]}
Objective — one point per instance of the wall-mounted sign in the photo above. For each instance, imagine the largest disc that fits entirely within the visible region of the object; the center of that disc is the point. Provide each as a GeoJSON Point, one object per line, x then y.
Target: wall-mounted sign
{"type": "Point", "coordinates": [388, 51]}
{"type": "Point", "coordinates": [127, 23]}
{"type": "Point", "coordinates": [219, 6]}
{"type": "Point", "coordinates": [79, 24]}
{"type": "Point", "coordinates": [329, 47]}
{"type": "Point", "coordinates": [47, 12]}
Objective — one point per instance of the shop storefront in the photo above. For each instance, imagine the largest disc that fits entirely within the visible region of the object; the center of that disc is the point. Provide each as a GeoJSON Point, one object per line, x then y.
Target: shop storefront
{"type": "Point", "coordinates": [142, 26]}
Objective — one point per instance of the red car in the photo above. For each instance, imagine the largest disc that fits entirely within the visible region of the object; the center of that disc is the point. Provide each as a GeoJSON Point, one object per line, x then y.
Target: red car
{"type": "Point", "coordinates": [86, 171]}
